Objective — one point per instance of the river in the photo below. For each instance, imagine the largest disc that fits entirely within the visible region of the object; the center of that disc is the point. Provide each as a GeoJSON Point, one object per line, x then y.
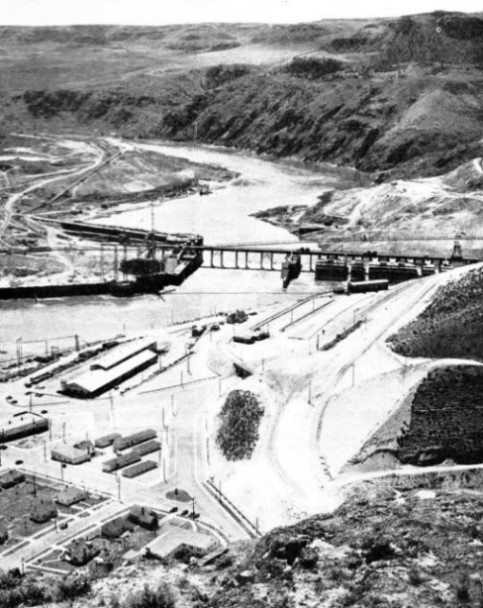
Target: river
{"type": "Point", "coordinates": [222, 217]}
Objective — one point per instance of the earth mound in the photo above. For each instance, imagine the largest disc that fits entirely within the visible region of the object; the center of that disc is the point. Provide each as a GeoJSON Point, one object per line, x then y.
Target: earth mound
{"type": "Point", "coordinates": [446, 419]}
{"type": "Point", "coordinates": [450, 327]}
{"type": "Point", "coordinates": [467, 178]}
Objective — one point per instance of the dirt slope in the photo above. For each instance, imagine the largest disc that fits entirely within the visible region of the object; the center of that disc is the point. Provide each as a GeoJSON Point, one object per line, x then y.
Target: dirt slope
{"type": "Point", "coordinates": [451, 326]}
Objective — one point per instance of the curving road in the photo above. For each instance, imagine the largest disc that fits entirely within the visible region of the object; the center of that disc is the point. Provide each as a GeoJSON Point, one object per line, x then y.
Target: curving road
{"type": "Point", "coordinates": [99, 158]}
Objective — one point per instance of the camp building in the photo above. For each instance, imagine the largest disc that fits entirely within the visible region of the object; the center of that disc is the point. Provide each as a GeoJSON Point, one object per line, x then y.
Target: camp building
{"type": "Point", "coordinates": [109, 370]}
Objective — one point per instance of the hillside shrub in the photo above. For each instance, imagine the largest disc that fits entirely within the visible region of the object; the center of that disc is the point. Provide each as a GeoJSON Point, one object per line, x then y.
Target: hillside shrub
{"type": "Point", "coordinates": [161, 597]}
{"type": "Point", "coordinates": [310, 67]}
{"type": "Point", "coordinates": [218, 75]}
{"type": "Point", "coordinates": [73, 586]}
{"type": "Point", "coordinates": [240, 418]}
{"type": "Point", "coordinates": [17, 590]}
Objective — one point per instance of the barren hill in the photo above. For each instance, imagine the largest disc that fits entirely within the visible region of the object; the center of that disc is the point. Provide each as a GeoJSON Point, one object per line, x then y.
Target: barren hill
{"type": "Point", "coordinates": [402, 97]}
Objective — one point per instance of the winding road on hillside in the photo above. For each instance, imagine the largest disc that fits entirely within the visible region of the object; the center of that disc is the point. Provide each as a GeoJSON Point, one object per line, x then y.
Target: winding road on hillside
{"type": "Point", "coordinates": [99, 157]}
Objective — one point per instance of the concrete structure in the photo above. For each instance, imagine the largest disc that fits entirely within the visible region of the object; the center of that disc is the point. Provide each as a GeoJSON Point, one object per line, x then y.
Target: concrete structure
{"type": "Point", "coordinates": [113, 464]}
{"type": "Point", "coordinates": [147, 448]}
{"type": "Point", "coordinates": [121, 443]}
{"type": "Point", "coordinates": [144, 517]}
{"type": "Point", "coordinates": [22, 425]}
{"type": "Point", "coordinates": [70, 455]}
{"type": "Point", "coordinates": [174, 539]}
{"type": "Point", "coordinates": [99, 380]}
{"type": "Point", "coordinates": [138, 469]}
{"type": "Point", "coordinates": [70, 496]}
{"type": "Point", "coordinates": [106, 440]}
{"type": "Point", "coordinates": [11, 478]}
{"type": "Point", "coordinates": [122, 353]}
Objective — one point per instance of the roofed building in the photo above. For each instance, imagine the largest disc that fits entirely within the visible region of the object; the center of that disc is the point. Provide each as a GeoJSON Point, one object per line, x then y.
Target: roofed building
{"type": "Point", "coordinates": [176, 539]}
{"type": "Point", "coordinates": [96, 381]}
{"type": "Point", "coordinates": [70, 454]}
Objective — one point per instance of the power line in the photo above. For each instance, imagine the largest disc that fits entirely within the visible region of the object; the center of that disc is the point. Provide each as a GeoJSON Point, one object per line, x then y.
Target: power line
{"type": "Point", "coordinates": [254, 293]}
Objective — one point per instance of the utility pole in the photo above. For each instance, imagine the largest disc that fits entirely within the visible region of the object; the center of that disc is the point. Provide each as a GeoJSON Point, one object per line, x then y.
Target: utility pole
{"type": "Point", "coordinates": [115, 264]}
{"type": "Point", "coordinates": [152, 217]}
{"type": "Point", "coordinates": [19, 352]}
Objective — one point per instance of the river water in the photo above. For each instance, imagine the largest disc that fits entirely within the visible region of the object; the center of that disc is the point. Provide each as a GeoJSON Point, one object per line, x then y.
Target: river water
{"type": "Point", "coordinates": [222, 217]}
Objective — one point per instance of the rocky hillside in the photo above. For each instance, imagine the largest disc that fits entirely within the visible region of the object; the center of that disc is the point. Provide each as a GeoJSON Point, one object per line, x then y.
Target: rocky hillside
{"type": "Point", "coordinates": [397, 97]}
{"type": "Point", "coordinates": [454, 38]}
{"type": "Point", "coordinates": [440, 422]}
{"type": "Point", "coordinates": [451, 326]}
{"type": "Point", "coordinates": [446, 418]}
{"type": "Point", "coordinates": [391, 544]}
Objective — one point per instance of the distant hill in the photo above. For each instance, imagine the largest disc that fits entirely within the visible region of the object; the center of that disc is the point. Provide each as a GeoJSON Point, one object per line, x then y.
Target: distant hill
{"type": "Point", "coordinates": [439, 36]}
{"type": "Point", "coordinates": [401, 97]}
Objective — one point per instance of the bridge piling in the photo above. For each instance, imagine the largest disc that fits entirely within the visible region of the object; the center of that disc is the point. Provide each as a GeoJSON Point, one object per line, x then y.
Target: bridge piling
{"type": "Point", "coordinates": [212, 259]}
{"type": "Point", "coordinates": [222, 263]}
{"type": "Point", "coordinates": [271, 262]}
{"type": "Point", "coordinates": [236, 259]}
{"type": "Point", "coordinates": [246, 260]}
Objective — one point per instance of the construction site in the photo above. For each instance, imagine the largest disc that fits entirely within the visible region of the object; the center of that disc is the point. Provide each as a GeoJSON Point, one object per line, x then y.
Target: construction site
{"type": "Point", "coordinates": [117, 413]}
